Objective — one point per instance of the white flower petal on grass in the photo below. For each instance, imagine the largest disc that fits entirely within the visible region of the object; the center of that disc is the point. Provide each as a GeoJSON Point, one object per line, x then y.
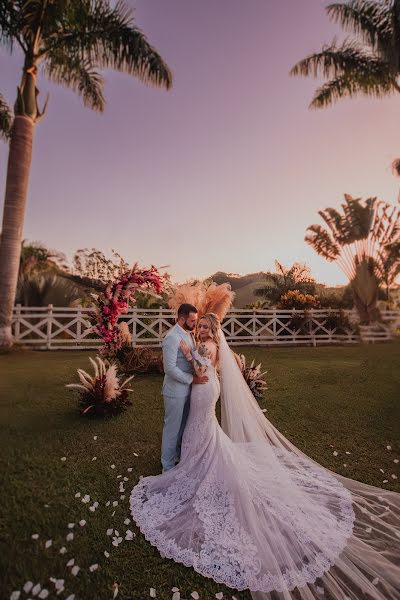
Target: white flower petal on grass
{"type": "Point", "coordinates": [116, 589]}
{"type": "Point", "coordinates": [110, 531]}
{"type": "Point", "coordinates": [335, 453]}
{"type": "Point", "coordinates": [195, 595]}
{"type": "Point", "coordinates": [108, 503]}
{"type": "Point", "coordinates": [96, 504]}
{"type": "Point", "coordinates": [63, 550]}
{"type": "Point", "coordinates": [35, 536]}
{"type": "Point", "coordinates": [15, 595]}
{"type": "Point", "coordinates": [106, 554]}
{"type": "Point", "coordinates": [134, 454]}
{"type": "Point", "coordinates": [71, 562]}
{"type": "Point", "coordinates": [75, 570]}
{"type": "Point", "coordinates": [44, 593]}
{"type": "Point", "coordinates": [36, 589]}
{"type": "Point", "coordinates": [59, 584]}
{"type": "Point", "coordinates": [381, 470]}
{"type": "Point", "coordinates": [82, 522]}
{"type": "Point", "coordinates": [368, 529]}
{"type": "Point", "coordinates": [127, 521]}
{"type": "Point", "coordinates": [396, 460]}
{"type": "Point", "coordinates": [93, 567]}
{"type": "Point", "coordinates": [70, 537]}
{"type": "Point", "coordinates": [176, 596]}
{"type": "Point", "coordinates": [152, 593]}
{"type": "Point", "coordinates": [48, 543]}
{"type": "Point", "coordinates": [95, 437]}
{"type": "Point", "coordinates": [219, 595]}
{"type": "Point", "coordinates": [113, 513]}
{"type": "Point", "coordinates": [347, 452]}
{"type": "Point", "coordinates": [116, 533]}
{"type": "Point", "coordinates": [77, 495]}
{"type": "Point", "coordinates": [175, 589]}
{"type": "Point", "coordinates": [345, 464]}
{"type": "Point", "coordinates": [388, 448]}
{"type": "Point", "coordinates": [126, 478]}
{"type": "Point", "coordinates": [393, 476]}
{"type": "Point", "coordinates": [129, 469]}
{"type": "Point", "coordinates": [92, 508]}
{"type": "Point", "coordinates": [86, 498]}
{"type": "Point", "coordinates": [375, 581]}
{"type": "Point", "coordinates": [264, 410]}
{"type": "Point", "coordinates": [47, 505]}
{"type": "Point", "coordinates": [27, 587]}
{"type": "Point", "coordinates": [119, 476]}
{"type": "Point", "coordinates": [63, 458]}
{"type": "Point", "coordinates": [71, 525]}
{"type": "Point", "coordinates": [129, 534]}
{"type": "Point", "coordinates": [122, 497]}
{"type": "Point", "coordinates": [115, 503]}
{"type": "Point", "coordinates": [113, 466]}
{"type": "Point", "coordinates": [94, 458]}
{"type": "Point", "coordinates": [385, 481]}
{"type": "Point", "coordinates": [71, 597]}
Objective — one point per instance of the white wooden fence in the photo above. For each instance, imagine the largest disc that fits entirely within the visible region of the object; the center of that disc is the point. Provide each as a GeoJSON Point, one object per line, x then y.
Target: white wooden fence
{"type": "Point", "coordinates": [68, 328]}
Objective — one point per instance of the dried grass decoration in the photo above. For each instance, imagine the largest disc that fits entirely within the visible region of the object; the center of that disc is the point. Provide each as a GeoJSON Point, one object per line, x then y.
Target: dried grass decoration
{"type": "Point", "coordinates": [102, 394]}
{"type": "Point", "coordinates": [252, 376]}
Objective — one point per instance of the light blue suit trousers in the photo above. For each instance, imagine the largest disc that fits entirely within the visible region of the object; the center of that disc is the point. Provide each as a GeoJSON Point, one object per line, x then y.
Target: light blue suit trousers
{"type": "Point", "coordinates": [176, 392]}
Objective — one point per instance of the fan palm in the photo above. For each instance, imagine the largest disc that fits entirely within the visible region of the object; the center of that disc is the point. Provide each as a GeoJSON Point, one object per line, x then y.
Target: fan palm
{"type": "Point", "coordinates": [369, 64]}
{"type": "Point", "coordinates": [365, 242]}
{"type": "Point", "coordinates": [68, 41]}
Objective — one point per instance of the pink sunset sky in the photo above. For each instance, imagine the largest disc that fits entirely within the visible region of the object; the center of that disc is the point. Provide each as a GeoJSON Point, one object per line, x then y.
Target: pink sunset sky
{"type": "Point", "coordinates": [225, 171]}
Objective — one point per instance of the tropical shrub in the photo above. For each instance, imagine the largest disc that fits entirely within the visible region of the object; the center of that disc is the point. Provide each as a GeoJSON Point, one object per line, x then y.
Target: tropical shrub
{"type": "Point", "coordinates": [101, 394]}
{"type": "Point", "coordinates": [253, 376]}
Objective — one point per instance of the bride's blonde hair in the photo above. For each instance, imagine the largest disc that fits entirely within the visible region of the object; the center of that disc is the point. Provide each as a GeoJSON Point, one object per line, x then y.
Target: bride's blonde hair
{"type": "Point", "coordinates": [214, 323]}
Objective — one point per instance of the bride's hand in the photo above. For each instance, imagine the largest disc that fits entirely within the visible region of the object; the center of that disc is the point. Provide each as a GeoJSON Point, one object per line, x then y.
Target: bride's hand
{"type": "Point", "coordinates": [185, 349]}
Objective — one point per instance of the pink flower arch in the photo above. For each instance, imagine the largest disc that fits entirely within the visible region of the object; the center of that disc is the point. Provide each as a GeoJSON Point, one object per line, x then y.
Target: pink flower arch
{"type": "Point", "coordinates": [115, 301]}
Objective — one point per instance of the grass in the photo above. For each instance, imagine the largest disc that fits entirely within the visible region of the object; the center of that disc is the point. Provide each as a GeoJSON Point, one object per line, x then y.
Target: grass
{"type": "Point", "coordinates": [322, 399]}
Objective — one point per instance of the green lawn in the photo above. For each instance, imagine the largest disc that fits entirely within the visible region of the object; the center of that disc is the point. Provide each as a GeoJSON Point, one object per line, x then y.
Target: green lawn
{"type": "Point", "coordinates": [323, 399]}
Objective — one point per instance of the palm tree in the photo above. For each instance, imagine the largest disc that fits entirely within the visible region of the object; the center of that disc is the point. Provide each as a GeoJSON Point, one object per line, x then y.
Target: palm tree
{"type": "Point", "coordinates": [297, 277]}
{"type": "Point", "coordinates": [68, 41]}
{"type": "Point", "coordinates": [365, 243]}
{"type": "Point", "coordinates": [369, 64]}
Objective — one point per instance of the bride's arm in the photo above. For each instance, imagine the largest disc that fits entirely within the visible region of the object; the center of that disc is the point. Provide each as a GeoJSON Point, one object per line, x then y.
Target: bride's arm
{"type": "Point", "coordinates": [199, 368]}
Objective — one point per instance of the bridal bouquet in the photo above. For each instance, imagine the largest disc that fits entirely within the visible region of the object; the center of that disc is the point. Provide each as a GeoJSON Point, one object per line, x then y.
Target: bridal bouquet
{"type": "Point", "coordinates": [252, 376]}
{"type": "Point", "coordinates": [101, 394]}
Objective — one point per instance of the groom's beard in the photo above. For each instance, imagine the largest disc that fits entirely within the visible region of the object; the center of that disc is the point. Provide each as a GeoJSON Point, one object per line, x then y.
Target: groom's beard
{"type": "Point", "coordinates": [186, 326]}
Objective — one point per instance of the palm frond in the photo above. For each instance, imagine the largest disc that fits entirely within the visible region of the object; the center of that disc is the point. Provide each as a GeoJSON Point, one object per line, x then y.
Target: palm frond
{"type": "Point", "coordinates": [107, 37]}
{"type": "Point", "coordinates": [77, 75]}
{"type": "Point", "coordinates": [6, 119]}
{"type": "Point", "coordinates": [10, 23]}
{"type": "Point", "coordinates": [377, 83]}
{"type": "Point", "coordinates": [322, 242]}
{"type": "Point", "coordinates": [366, 18]}
{"type": "Point", "coordinates": [396, 167]}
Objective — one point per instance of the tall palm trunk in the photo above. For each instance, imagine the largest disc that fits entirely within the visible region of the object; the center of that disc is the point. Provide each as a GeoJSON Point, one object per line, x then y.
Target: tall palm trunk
{"type": "Point", "coordinates": [19, 164]}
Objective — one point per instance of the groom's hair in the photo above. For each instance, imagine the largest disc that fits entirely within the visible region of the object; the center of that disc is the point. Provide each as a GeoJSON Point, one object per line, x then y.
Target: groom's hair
{"type": "Point", "coordinates": [185, 309]}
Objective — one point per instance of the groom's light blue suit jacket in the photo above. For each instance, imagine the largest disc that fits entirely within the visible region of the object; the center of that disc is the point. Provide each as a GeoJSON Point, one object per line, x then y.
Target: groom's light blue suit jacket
{"type": "Point", "coordinates": [178, 371]}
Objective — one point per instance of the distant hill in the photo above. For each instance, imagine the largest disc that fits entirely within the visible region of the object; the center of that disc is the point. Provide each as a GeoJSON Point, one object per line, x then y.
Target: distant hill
{"type": "Point", "coordinates": [244, 286]}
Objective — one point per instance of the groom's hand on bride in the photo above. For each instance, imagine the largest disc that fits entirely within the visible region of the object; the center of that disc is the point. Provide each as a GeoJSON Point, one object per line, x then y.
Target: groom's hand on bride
{"type": "Point", "coordinates": [202, 379]}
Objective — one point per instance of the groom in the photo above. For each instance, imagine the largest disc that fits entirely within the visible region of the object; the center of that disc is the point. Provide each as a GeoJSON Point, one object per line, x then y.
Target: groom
{"type": "Point", "coordinates": [177, 384]}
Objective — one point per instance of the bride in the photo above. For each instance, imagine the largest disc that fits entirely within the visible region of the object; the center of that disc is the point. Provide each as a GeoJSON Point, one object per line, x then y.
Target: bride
{"type": "Point", "coordinates": [247, 508]}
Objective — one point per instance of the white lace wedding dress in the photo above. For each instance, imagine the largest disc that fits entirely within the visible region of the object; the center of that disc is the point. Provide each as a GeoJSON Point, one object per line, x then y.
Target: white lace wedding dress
{"type": "Point", "coordinates": [252, 513]}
